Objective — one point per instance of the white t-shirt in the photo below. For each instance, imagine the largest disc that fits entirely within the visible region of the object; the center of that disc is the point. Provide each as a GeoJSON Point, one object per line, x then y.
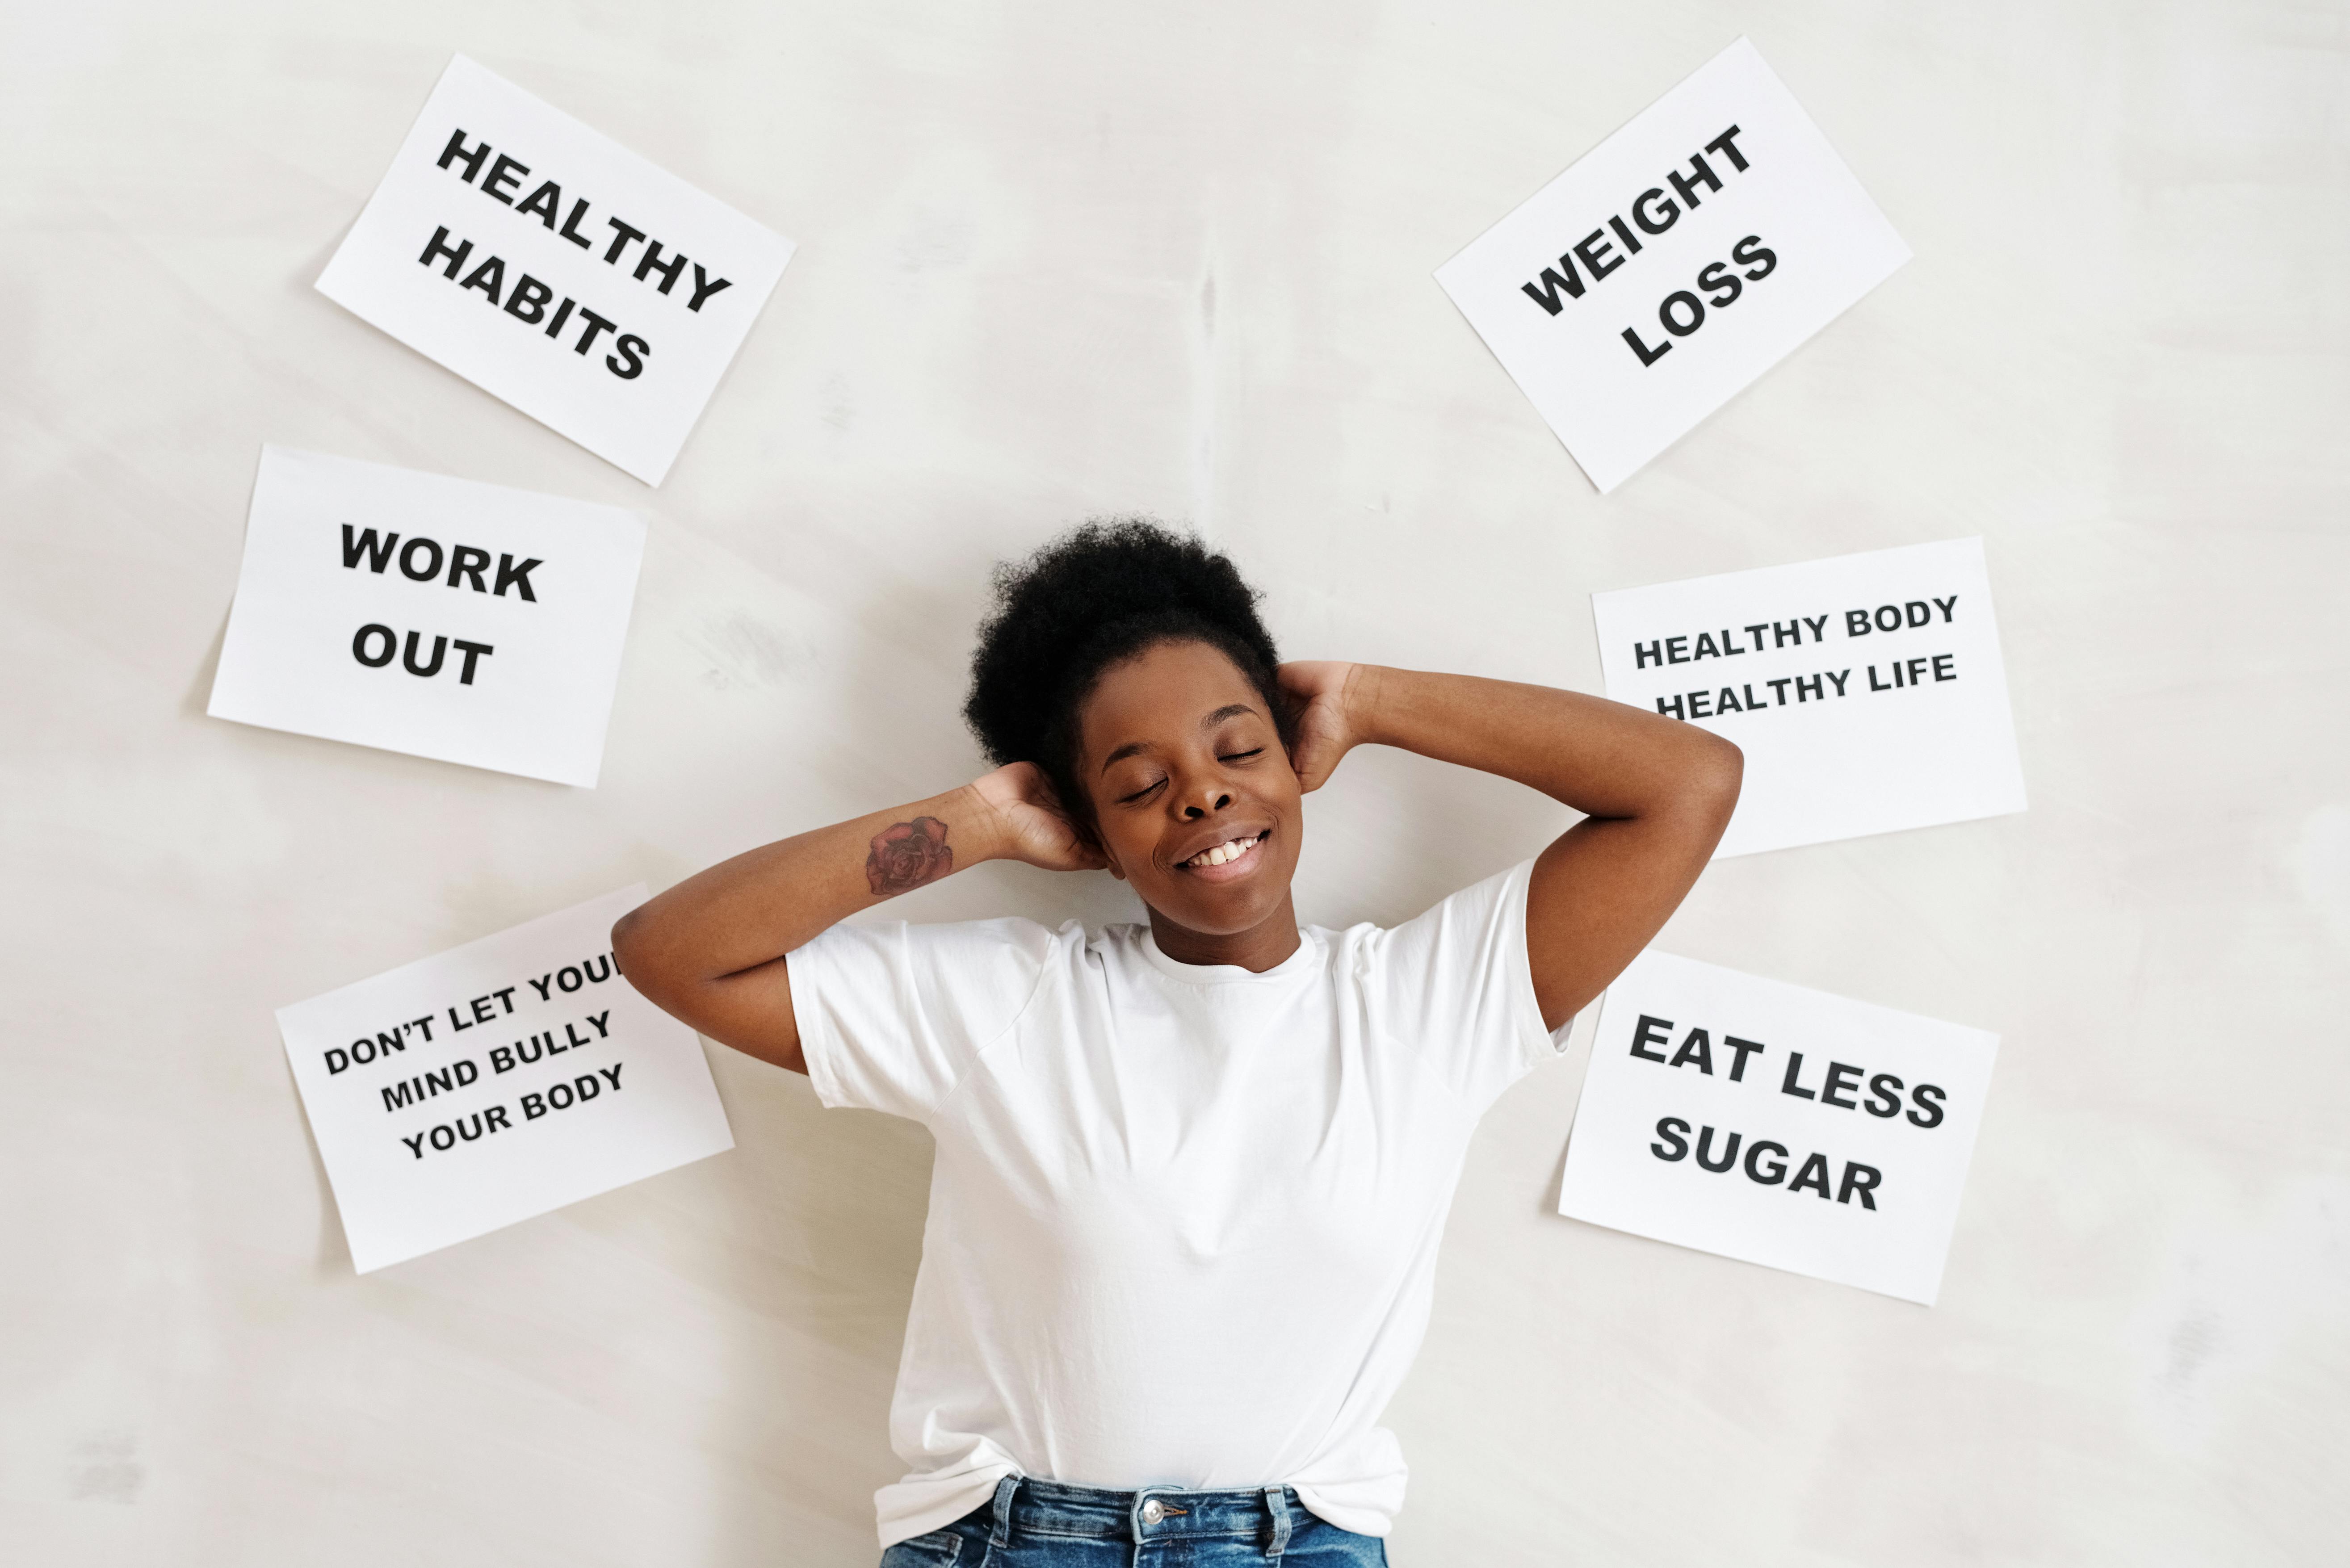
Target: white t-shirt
{"type": "Point", "coordinates": [1183, 1218]}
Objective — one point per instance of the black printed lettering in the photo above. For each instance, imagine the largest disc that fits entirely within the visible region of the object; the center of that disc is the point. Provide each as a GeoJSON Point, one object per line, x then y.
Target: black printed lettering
{"type": "Point", "coordinates": [407, 566]}
{"type": "Point", "coordinates": [490, 277]}
{"type": "Point", "coordinates": [650, 261]}
{"type": "Point", "coordinates": [1665, 216]}
{"type": "Point", "coordinates": [622, 237]}
{"type": "Point", "coordinates": [1744, 1048]}
{"type": "Point", "coordinates": [1546, 292]}
{"type": "Point", "coordinates": [438, 245]}
{"type": "Point", "coordinates": [705, 285]}
{"type": "Point", "coordinates": [516, 578]}
{"type": "Point", "coordinates": [376, 552]}
{"type": "Point", "coordinates": [465, 561]}
{"type": "Point", "coordinates": [546, 203]}
{"type": "Point", "coordinates": [456, 150]}
{"type": "Point", "coordinates": [1787, 1085]}
{"type": "Point", "coordinates": [1757, 259]}
{"type": "Point", "coordinates": [1698, 1048]}
{"type": "Point", "coordinates": [505, 175]}
{"type": "Point", "coordinates": [1884, 1096]}
{"type": "Point", "coordinates": [407, 656]}
{"type": "Point", "coordinates": [1674, 1131]}
{"type": "Point", "coordinates": [1594, 251]}
{"type": "Point", "coordinates": [528, 303]}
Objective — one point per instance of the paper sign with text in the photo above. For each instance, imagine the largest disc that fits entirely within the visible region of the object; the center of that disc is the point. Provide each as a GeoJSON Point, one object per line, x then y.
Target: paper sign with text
{"type": "Point", "coordinates": [1865, 691]}
{"type": "Point", "coordinates": [437, 616]}
{"type": "Point", "coordinates": [496, 1082]}
{"type": "Point", "coordinates": [1672, 264]}
{"type": "Point", "coordinates": [554, 268]}
{"type": "Point", "coordinates": [1777, 1125]}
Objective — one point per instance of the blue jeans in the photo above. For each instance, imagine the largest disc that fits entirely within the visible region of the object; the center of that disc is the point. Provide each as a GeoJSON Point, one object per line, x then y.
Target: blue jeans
{"type": "Point", "coordinates": [1045, 1524]}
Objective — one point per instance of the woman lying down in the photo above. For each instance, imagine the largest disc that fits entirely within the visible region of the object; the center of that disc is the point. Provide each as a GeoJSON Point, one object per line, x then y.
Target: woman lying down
{"type": "Point", "coordinates": [1190, 1173]}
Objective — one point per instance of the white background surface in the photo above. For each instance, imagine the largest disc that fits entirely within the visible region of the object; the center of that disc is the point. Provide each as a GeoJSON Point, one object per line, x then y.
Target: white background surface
{"type": "Point", "coordinates": [1059, 259]}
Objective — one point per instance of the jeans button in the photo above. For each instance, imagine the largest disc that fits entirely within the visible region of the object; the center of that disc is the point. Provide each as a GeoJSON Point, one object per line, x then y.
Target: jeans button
{"type": "Point", "coordinates": [1153, 1511]}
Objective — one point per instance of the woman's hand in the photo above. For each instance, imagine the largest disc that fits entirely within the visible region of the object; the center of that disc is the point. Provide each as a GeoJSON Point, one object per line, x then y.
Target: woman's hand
{"type": "Point", "coordinates": [1032, 826]}
{"type": "Point", "coordinates": [1320, 691]}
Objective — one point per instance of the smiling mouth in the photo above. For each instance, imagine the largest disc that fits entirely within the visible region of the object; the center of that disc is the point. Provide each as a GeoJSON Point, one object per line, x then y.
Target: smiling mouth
{"type": "Point", "coordinates": [1224, 854]}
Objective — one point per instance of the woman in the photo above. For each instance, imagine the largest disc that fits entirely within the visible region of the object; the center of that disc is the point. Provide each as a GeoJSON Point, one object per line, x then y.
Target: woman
{"type": "Point", "coordinates": [1190, 1176]}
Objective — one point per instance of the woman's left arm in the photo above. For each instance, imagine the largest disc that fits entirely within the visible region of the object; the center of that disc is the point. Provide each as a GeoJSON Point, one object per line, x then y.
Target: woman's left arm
{"type": "Point", "coordinates": [1655, 794]}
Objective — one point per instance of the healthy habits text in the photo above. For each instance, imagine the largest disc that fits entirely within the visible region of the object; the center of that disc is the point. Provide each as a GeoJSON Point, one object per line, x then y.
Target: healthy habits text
{"type": "Point", "coordinates": [527, 299]}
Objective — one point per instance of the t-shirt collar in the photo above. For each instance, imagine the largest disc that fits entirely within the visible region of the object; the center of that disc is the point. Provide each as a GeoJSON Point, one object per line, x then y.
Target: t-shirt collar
{"type": "Point", "coordinates": [1304, 959]}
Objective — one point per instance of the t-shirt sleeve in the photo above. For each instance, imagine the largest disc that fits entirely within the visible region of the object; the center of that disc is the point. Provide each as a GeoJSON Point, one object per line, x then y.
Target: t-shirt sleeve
{"type": "Point", "coordinates": [892, 1015]}
{"type": "Point", "coordinates": [1455, 984]}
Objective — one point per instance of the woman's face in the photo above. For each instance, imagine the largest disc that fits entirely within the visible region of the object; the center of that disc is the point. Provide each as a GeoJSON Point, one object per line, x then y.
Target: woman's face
{"type": "Point", "coordinates": [1194, 802]}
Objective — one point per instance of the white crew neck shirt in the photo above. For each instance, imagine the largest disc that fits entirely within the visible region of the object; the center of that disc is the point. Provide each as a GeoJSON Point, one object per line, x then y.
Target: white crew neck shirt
{"type": "Point", "coordinates": [1183, 1218]}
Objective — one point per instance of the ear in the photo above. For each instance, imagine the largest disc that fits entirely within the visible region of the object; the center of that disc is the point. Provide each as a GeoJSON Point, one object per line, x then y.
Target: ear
{"type": "Point", "coordinates": [1089, 833]}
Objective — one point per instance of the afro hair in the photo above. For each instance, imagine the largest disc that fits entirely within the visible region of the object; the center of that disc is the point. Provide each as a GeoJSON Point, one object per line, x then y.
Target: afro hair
{"type": "Point", "coordinates": [1094, 597]}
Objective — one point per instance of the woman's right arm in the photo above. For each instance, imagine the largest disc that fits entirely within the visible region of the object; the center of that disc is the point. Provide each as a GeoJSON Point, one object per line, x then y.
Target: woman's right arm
{"type": "Point", "coordinates": [710, 952]}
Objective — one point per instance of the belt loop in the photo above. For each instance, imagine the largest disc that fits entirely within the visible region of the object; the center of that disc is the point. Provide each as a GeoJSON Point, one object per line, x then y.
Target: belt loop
{"type": "Point", "coordinates": [1277, 1504]}
{"type": "Point", "coordinates": [1004, 1491]}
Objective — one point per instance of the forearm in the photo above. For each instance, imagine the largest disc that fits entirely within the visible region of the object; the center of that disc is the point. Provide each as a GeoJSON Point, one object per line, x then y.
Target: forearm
{"type": "Point", "coordinates": [746, 912]}
{"type": "Point", "coordinates": [1604, 759]}
{"type": "Point", "coordinates": [1655, 794]}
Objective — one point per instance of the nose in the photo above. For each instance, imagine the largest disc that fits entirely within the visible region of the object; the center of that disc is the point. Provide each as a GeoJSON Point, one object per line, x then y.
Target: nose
{"type": "Point", "coordinates": [1206, 800]}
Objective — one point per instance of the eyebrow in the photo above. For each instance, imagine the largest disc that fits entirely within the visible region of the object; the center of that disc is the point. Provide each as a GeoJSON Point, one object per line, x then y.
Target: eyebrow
{"type": "Point", "coordinates": [1135, 748]}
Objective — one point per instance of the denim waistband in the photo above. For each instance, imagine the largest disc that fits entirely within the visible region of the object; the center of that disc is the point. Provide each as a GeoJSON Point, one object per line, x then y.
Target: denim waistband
{"type": "Point", "coordinates": [1024, 1506]}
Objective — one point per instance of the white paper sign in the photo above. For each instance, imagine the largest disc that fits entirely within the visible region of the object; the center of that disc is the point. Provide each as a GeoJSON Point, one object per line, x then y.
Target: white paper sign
{"type": "Point", "coordinates": [554, 268]}
{"type": "Point", "coordinates": [494, 1082]}
{"type": "Point", "coordinates": [428, 615]}
{"type": "Point", "coordinates": [1672, 264]}
{"type": "Point", "coordinates": [1777, 1125]}
{"type": "Point", "coordinates": [1865, 691]}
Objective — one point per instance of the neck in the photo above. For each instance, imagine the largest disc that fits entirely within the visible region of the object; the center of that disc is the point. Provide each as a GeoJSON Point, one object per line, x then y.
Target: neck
{"type": "Point", "coordinates": [1256, 950]}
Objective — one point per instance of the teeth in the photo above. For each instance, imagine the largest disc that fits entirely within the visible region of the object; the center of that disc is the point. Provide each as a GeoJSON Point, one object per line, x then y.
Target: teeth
{"type": "Point", "coordinates": [1222, 852]}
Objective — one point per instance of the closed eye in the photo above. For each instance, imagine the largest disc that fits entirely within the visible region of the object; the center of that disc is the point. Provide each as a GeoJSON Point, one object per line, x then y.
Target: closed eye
{"type": "Point", "coordinates": [1141, 794]}
{"type": "Point", "coordinates": [1240, 756]}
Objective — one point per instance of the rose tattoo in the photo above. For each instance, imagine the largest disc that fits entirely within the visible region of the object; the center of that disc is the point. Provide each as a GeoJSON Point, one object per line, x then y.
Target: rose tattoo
{"type": "Point", "coordinates": [907, 854]}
